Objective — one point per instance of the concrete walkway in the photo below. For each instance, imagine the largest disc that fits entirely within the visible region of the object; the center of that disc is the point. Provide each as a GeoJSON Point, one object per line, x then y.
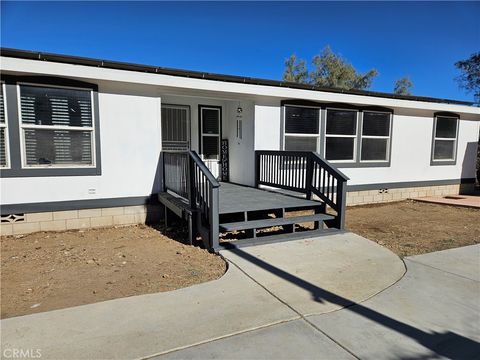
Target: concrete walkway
{"type": "Point", "coordinates": [287, 300]}
{"type": "Point", "coordinates": [433, 312]}
{"type": "Point", "coordinates": [147, 325]}
{"type": "Point", "coordinates": [469, 201]}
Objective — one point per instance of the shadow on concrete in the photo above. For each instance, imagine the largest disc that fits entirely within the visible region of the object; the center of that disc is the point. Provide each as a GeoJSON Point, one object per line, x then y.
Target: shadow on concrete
{"type": "Point", "coordinates": [447, 344]}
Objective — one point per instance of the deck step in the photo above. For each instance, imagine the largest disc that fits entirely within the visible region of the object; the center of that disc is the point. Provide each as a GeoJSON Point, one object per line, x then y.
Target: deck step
{"type": "Point", "coordinates": [279, 238]}
{"type": "Point", "coordinates": [176, 204]}
{"type": "Point", "coordinates": [256, 224]}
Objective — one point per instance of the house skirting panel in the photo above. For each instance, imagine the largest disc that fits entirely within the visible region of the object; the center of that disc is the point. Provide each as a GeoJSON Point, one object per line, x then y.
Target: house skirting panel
{"type": "Point", "coordinates": [397, 194]}
{"type": "Point", "coordinates": [17, 224]}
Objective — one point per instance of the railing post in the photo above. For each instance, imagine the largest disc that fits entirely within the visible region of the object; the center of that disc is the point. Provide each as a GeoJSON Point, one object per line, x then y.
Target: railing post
{"type": "Point", "coordinates": [191, 182]}
{"type": "Point", "coordinates": [257, 169]}
{"type": "Point", "coordinates": [309, 176]}
{"type": "Point", "coordinates": [162, 167]}
{"type": "Point", "coordinates": [341, 203]}
{"type": "Point", "coordinates": [213, 216]}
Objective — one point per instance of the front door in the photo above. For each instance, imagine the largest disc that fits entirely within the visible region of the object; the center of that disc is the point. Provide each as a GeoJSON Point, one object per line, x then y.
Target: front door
{"type": "Point", "coordinates": [210, 126]}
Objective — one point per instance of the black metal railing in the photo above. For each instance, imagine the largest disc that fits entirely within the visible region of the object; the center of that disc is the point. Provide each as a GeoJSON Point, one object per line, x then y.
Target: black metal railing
{"type": "Point", "coordinates": [186, 175]}
{"type": "Point", "coordinates": [305, 172]}
{"type": "Point", "coordinates": [175, 172]}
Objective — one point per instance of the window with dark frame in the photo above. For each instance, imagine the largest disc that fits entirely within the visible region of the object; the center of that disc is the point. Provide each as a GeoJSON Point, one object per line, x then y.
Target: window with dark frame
{"type": "Point", "coordinates": [445, 139]}
{"type": "Point", "coordinates": [375, 136]}
{"type": "Point", "coordinates": [57, 126]}
{"type": "Point", "coordinates": [4, 162]}
{"type": "Point", "coordinates": [210, 119]}
{"type": "Point", "coordinates": [301, 126]}
{"type": "Point", "coordinates": [341, 135]}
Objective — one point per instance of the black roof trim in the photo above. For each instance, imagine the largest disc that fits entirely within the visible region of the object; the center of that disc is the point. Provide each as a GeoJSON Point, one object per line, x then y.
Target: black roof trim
{"type": "Point", "coordinates": [77, 60]}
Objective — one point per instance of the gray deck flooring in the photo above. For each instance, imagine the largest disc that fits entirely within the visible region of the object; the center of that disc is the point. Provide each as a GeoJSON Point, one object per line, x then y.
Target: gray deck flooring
{"type": "Point", "coordinates": [236, 198]}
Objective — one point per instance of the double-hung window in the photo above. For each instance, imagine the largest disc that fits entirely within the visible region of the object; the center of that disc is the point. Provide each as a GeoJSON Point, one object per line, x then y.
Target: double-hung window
{"type": "Point", "coordinates": [57, 127]}
{"type": "Point", "coordinates": [341, 135]}
{"type": "Point", "coordinates": [211, 130]}
{"type": "Point", "coordinates": [301, 128]}
{"type": "Point", "coordinates": [375, 136]}
{"type": "Point", "coordinates": [4, 162]}
{"type": "Point", "coordinates": [444, 139]}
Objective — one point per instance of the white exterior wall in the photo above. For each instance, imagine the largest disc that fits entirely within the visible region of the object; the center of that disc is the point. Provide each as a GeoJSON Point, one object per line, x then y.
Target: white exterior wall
{"type": "Point", "coordinates": [130, 143]}
{"type": "Point", "coordinates": [268, 127]}
{"type": "Point", "coordinates": [130, 132]}
{"type": "Point", "coordinates": [241, 154]}
{"type": "Point", "coordinates": [410, 153]}
{"type": "Point", "coordinates": [193, 103]}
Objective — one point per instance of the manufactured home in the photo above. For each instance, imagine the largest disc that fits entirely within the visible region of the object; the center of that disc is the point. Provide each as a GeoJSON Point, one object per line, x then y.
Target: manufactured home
{"type": "Point", "coordinates": [90, 143]}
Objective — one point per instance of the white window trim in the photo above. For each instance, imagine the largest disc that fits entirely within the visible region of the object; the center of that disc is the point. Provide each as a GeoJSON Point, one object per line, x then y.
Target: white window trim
{"type": "Point", "coordinates": [21, 128]}
{"type": "Point", "coordinates": [355, 137]}
{"type": "Point", "coordinates": [285, 134]}
{"type": "Point", "coordinates": [219, 135]}
{"type": "Point", "coordinates": [454, 140]}
{"type": "Point", "coordinates": [5, 126]}
{"type": "Point", "coordinates": [389, 138]}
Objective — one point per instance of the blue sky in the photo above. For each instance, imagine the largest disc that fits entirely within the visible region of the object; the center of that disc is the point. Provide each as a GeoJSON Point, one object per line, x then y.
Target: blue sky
{"type": "Point", "coordinates": [422, 40]}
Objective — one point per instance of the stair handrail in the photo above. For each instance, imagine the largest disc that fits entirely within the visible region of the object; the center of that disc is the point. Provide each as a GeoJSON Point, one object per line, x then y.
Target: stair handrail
{"type": "Point", "coordinates": [305, 172]}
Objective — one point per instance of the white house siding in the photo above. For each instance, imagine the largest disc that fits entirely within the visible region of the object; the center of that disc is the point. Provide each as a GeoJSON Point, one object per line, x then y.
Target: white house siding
{"type": "Point", "coordinates": [130, 133]}
{"type": "Point", "coordinates": [410, 152]}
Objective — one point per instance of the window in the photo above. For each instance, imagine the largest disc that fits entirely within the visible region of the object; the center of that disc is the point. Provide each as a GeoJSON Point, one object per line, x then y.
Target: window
{"type": "Point", "coordinates": [175, 127]}
{"type": "Point", "coordinates": [301, 128]}
{"type": "Point", "coordinates": [210, 120]}
{"type": "Point", "coordinates": [375, 137]}
{"type": "Point", "coordinates": [3, 131]}
{"type": "Point", "coordinates": [444, 139]}
{"type": "Point", "coordinates": [57, 127]}
{"type": "Point", "coordinates": [341, 135]}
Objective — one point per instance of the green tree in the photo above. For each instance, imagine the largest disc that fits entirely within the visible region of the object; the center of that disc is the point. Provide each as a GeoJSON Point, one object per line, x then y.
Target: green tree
{"type": "Point", "coordinates": [469, 78]}
{"type": "Point", "coordinates": [329, 70]}
{"type": "Point", "coordinates": [295, 70]}
{"type": "Point", "coordinates": [403, 86]}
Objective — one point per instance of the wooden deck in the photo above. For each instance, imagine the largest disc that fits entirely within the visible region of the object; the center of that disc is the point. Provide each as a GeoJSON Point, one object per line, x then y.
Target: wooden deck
{"type": "Point", "coordinates": [191, 192]}
{"type": "Point", "coordinates": [236, 198]}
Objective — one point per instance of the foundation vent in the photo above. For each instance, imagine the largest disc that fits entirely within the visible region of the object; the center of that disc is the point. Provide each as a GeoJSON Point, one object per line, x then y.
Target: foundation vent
{"type": "Point", "coordinates": [13, 218]}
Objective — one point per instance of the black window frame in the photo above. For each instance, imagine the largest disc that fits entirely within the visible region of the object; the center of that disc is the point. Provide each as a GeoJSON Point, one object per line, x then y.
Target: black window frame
{"type": "Point", "coordinates": [316, 136]}
{"type": "Point", "coordinates": [433, 161]}
{"type": "Point", "coordinates": [356, 163]}
{"type": "Point", "coordinates": [354, 159]}
{"type": "Point", "coordinates": [12, 105]}
{"type": "Point", "coordinates": [361, 136]}
{"type": "Point", "coordinates": [201, 134]}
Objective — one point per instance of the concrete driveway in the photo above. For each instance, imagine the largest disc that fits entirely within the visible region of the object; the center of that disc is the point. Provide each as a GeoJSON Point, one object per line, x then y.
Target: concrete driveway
{"type": "Point", "coordinates": [288, 300]}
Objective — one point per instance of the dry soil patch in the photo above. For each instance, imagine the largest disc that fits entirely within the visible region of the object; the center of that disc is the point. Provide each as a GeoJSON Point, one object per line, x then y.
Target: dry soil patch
{"type": "Point", "coordinates": [411, 228]}
{"type": "Point", "coordinates": [48, 270]}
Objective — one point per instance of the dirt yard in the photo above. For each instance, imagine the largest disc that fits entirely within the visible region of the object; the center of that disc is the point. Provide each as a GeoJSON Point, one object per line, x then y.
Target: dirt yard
{"type": "Point", "coordinates": [410, 227]}
{"type": "Point", "coordinates": [48, 270]}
